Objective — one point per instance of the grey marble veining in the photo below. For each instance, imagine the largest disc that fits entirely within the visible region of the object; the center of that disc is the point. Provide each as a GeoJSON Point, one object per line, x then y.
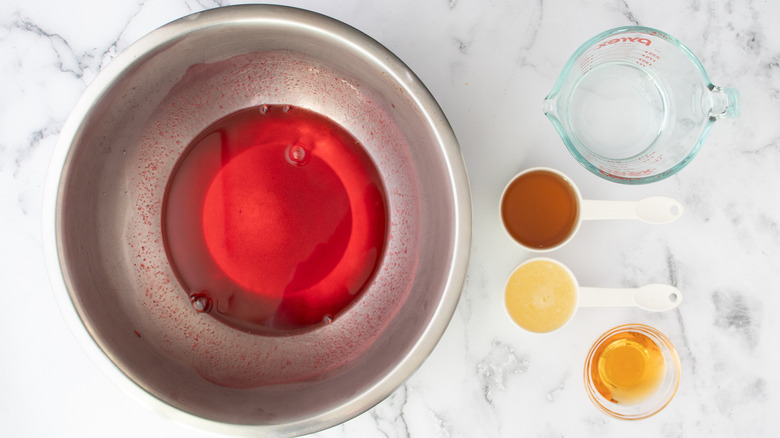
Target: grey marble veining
{"type": "Point", "coordinates": [489, 64]}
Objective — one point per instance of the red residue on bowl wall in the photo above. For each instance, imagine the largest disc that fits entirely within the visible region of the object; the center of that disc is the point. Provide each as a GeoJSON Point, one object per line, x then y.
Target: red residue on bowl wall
{"type": "Point", "coordinates": [222, 354]}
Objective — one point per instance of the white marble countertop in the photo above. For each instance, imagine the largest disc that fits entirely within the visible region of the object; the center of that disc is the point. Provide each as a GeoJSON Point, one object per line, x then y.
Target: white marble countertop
{"type": "Point", "coordinates": [489, 64]}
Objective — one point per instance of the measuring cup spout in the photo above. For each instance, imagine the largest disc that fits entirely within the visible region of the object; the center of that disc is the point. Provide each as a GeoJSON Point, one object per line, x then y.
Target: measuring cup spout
{"type": "Point", "coordinates": [725, 102]}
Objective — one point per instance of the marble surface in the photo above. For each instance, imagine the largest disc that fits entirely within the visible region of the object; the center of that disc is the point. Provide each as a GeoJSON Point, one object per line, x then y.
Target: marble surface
{"type": "Point", "coordinates": [489, 64]}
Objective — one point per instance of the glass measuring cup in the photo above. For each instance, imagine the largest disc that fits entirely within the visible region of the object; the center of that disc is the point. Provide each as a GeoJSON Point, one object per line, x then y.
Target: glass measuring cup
{"type": "Point", "coordinates": [634, 105]}
{"type": "Point", "coordinates": [542, 295]}
{"type": "Point", "coordinates": [542, 209]}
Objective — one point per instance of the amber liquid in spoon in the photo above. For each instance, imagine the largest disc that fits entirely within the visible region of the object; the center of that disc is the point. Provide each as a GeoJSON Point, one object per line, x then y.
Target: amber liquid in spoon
{"type": "Point", "coordinates": [540, 209]}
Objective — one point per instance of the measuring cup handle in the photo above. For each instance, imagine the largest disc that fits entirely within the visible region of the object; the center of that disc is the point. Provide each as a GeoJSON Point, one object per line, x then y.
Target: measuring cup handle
{"type": "Point", "coordinates": [652, 210]}
{"type": "Point", "coordinates": [600, 210]}
{"type": "Point", "coordinates": [605, 297]}
{"type": "Point", "coordinates": [725, 102]}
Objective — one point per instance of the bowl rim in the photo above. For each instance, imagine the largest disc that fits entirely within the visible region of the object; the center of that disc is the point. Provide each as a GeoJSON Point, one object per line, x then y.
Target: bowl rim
{"type": "Point", "coordinates": [411, 85]}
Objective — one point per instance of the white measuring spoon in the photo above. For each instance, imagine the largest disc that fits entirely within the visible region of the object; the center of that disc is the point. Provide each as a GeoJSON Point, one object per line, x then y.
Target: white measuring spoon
{"type": "Point", "coordinates": [542, 295]}
{"type": "Point", "coordinates": [652, 210]}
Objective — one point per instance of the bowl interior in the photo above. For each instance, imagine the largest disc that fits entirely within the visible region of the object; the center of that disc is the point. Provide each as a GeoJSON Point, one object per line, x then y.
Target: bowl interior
{"type": "Point", "coordinates": [152, 102]}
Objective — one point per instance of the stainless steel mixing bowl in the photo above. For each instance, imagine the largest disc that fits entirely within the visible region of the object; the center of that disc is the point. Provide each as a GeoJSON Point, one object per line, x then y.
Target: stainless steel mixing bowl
{"type": "Point", "coordinates": [103, 235]}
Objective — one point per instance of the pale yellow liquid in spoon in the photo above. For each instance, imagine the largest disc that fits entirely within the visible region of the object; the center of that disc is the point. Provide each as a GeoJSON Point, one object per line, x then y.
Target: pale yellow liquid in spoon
{"type": "Point", "coordinates": [541, 296]}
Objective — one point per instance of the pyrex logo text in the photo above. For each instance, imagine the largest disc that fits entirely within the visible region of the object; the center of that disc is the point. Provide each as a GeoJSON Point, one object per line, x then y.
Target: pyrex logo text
{"type": "Point", "coordinates": [644, 41]}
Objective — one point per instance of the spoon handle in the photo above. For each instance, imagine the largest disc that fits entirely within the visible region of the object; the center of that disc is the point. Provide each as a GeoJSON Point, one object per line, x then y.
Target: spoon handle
{"type": "Point", "coordinates": [652, 210]}
{"type": "Point", "coordinates": [606, 297]}
{"type": "Point", "coordinates": [601, 210]}
{"type": "Point", "coordinates": [651, 297]}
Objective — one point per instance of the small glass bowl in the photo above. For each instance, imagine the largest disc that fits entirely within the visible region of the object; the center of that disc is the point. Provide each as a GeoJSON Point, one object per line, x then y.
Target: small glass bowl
{"type": "Point", "coordinates": [652, 403]}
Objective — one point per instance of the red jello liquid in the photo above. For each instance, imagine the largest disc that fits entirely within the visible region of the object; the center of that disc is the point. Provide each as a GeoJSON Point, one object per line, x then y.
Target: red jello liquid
{"type": "Point", "coordinates": [274, 220]}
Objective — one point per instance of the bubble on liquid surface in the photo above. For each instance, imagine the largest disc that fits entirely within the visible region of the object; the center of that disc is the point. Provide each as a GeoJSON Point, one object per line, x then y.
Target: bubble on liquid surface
{"type": "Point", "coordinates": [201, 302]}
{"type": "Point", "coordinates": [286, 108]}
{"type": "Point", "coordinates": [264, 109]}
{"type": "Point", "coordinates": [297, 155]}
{"type": "Point", "coordinates": [327, 319]}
